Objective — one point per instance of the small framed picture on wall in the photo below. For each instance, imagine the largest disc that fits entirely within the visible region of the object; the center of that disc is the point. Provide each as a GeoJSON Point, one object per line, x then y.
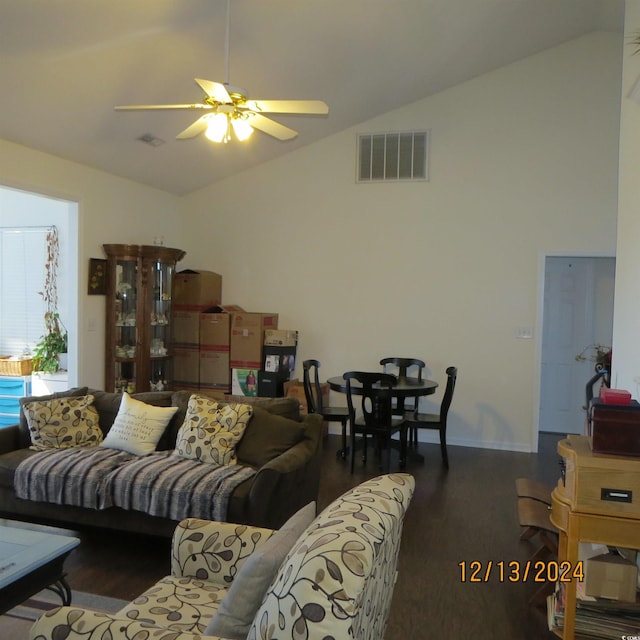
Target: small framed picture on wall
{"type": "Point", "coordinates": [97, 277]}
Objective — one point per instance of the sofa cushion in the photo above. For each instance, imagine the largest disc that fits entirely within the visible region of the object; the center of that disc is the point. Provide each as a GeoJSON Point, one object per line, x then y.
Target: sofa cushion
{"type": "Point", "coordinates": [9, 463]}
{"type": "Point", "coordinates": [25, 435]}
{"type": "Point", "coordinates": [182, 603]}
{"type": "Point", "coordinates": [108, 404]}
{"type": "Point", "coordinates": [287, 407]}
{"type": "Point", "coordinates": [267, 436]}
{"type": "Point", "coordinates": [138, 426]}
{"type": "Point", "coordinates": [62, 423]}
{"type": "Point", "coordinates": [238, 608]}
{"type": "Point", "coordinates": [211, 430]}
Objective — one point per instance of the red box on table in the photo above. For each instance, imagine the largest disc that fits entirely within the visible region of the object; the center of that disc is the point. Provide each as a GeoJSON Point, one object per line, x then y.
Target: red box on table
{"type": "Point", "coordinates": [615, 396]}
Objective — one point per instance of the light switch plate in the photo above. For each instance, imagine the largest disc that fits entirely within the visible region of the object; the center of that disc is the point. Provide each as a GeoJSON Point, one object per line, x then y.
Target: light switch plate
{"type": "Point", "coordinates": [524, 333]}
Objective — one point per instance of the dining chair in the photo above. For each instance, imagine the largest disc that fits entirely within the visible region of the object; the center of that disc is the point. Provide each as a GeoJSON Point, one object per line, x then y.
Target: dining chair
{"type": "Point", "coordinates": [404, 368]}
{"type": "Point", "coordinates": [592, 389]}
{"type": "Point", "coordinates": [377, 418]}
{"type": "Point", "coordinates": [313, 394]}
{"type": "Point", "coordinates": [438, 421]}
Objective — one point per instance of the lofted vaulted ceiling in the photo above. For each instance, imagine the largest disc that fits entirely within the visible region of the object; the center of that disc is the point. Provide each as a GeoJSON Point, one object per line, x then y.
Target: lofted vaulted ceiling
{"type": "Point", "coordinates": [65, 64]}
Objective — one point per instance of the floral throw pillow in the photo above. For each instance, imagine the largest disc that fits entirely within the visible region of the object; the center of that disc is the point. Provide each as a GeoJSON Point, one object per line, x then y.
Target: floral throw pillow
{"type": "Point", "coordinates": [63, 423]}
{"type": "Point", "coordinates": [211, 430]}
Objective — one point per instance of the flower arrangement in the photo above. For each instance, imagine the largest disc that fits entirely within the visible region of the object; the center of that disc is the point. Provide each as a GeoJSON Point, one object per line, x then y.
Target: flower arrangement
{"type": "Point", "coordinates": [598, 353]}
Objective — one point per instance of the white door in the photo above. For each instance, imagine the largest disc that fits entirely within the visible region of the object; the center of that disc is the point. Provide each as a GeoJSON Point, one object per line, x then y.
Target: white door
{"type": "Point", "coordinates": [578, 311]}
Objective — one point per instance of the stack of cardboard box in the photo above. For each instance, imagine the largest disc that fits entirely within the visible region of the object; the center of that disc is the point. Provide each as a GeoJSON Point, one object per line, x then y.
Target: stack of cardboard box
{"type": "Point", "coordinates": [193, 292]}
{"type": "Point", "coordinates": [215, 347]}
{"type": "Point", "coordinates": [223, 348]}
{"type": "Point", "coordinates": [243, 336]}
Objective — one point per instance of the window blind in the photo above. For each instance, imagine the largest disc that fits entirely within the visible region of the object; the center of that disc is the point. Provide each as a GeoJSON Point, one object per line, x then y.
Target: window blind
{"type": "Point", "coordinates": [22, 273]}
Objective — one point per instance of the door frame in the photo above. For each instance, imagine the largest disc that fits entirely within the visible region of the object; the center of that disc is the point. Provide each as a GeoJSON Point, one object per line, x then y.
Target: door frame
{"type": "Point", "coordinates": [542, 257]}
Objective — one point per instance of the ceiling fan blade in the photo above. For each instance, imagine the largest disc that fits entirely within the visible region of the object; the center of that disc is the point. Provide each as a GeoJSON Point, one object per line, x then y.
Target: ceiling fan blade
{"type": "Point", "coordinates": [214, 90]}
{"type": "Point", "coordinates": [194, 129]}
{"type": "Point", "coordinates": [139, 107]}
{"type": "Point", "coordinates": [271, 127]}
{"type": "Point", "coordinates": [317, 107]}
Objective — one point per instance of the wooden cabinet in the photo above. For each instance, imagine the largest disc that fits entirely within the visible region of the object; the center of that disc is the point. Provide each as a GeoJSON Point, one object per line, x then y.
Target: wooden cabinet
{"type": "Point", "coordinates": [12, 388]}
{"type": "Point", "coordinates": [596, 500]}
{"type": "Point", "coordinates": [139, 289]}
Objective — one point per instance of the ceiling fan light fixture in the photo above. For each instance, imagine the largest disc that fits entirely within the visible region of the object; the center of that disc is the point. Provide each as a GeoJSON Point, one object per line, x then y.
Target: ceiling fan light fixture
{"type": "Point", "coordinates": [241, 128]}
{"type": "Point", "coordinates": [218, 128]}
{"type": "Point", "coordinates": [226, 108]}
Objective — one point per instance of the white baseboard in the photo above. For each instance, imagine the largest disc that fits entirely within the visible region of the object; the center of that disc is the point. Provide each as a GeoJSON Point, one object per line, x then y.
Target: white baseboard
{"type": "Point", "coordinates": [431, 437]}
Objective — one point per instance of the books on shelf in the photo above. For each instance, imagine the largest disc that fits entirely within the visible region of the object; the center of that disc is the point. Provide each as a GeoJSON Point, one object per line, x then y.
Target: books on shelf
{"type": "Point", "coordinates": [595, 617]}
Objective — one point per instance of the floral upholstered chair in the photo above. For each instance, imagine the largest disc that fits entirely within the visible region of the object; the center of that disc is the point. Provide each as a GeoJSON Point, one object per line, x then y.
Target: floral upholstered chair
{"type": "Point", "coordinates": [317, 577]}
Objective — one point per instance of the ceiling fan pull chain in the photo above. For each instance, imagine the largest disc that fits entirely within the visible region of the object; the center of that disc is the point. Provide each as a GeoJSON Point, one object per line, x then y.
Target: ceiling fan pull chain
{"type": "Point", "coordinates": [226, 46]}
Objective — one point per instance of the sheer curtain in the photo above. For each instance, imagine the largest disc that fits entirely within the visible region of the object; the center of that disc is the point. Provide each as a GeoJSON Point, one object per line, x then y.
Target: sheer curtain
{"type": "Point", "coordinates": [23, 253]}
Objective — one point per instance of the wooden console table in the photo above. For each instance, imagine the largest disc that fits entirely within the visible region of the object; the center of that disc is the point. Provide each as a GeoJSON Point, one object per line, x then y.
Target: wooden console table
{"type": "Point", "coordinates": [580, 517]}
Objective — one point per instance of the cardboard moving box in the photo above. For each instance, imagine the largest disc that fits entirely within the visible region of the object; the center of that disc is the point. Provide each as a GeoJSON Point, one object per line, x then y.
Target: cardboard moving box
{"type": "Point", "coordinates": [611, 576]}
{"type": "Point", "coordinates": [215, 347]}
{"type": "Point", "coordinates": [197, 288]}
{"type": "Point", "coordinates": [247, 336]}
{"type": "Point", "coordinates": [185, 326]}
{"type": "Point", "coordinates": [281, 337]}
{"type": "Point", "coordinates": [186, 367]}
{"type": "Point", "coordinates": [215, 372]}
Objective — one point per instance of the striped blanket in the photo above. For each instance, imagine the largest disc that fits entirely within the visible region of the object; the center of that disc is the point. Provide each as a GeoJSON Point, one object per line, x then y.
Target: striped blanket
{"type": "Point", "coordinates": [71, 476]}
{"type": "Point", "coordinates": [161, 483]}
{"type": "Point", "coordinates": [167, 485]}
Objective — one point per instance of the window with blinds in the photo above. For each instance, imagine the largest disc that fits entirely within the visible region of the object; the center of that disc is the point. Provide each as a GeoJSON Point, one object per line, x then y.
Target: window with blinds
{"type": "Point", "coordinates": [393, 156]}
{"type": "Point", "coordinates": [23, 253]}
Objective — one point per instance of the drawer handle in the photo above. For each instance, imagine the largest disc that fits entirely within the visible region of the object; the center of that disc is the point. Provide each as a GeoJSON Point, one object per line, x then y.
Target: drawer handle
{"type": "Point", "coordinates": [616, 495]}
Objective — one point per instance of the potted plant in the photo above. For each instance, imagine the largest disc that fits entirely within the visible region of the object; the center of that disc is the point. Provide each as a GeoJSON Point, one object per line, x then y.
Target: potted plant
{"type": "Point", "coordinates": [53, 343]}
{"type": "Point", "coordinates": [46, 355]}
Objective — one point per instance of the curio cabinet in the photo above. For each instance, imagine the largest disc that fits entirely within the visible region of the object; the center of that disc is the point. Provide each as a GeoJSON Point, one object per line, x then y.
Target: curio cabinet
{"type": "Point", "coordinates": [139, 286]}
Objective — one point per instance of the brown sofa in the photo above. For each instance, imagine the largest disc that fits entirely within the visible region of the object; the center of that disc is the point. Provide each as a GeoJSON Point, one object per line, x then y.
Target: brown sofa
{"type": "Point", "coordinates": [282, 447]}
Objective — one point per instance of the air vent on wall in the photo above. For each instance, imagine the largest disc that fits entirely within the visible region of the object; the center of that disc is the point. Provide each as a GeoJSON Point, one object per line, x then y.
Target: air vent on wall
{"type": "Point", "coordinates": [393, 156]}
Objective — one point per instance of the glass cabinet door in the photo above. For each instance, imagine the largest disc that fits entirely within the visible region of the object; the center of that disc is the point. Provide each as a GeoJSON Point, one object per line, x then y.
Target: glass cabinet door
{"type": "Point", "coordinates": [159, 320]}
{"type": "Point", "coordinates": [126, 325]}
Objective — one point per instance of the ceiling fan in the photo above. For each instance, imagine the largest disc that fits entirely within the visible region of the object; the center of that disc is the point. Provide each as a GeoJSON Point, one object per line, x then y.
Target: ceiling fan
{"type": "Point", "coordinates": [227, 108]}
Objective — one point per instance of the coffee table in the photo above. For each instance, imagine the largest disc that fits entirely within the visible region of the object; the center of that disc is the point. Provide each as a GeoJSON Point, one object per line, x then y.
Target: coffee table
{"type": "Point", "coordinates": [31, 559]}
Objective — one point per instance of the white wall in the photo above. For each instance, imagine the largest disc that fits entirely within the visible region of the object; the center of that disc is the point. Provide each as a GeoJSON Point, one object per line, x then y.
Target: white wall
{"type": "Point", "coordinates": [626, 326]}
{"type": "Point", "coordinates": [111, 209]}
{"type": "Point", "coordinates": [523, 162]}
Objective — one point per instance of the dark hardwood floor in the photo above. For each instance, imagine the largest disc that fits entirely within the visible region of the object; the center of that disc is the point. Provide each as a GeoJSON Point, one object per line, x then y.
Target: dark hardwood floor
{"type": "Point", "coordinates": [466, 514]}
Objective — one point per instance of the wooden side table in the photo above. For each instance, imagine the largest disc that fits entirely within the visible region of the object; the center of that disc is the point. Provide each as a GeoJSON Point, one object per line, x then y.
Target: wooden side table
{"type": "Point", "coordinates": [583, 520]}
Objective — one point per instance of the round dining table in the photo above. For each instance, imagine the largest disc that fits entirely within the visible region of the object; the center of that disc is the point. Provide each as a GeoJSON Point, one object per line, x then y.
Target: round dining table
{"type": "Point", "coordinates": [405, 387]}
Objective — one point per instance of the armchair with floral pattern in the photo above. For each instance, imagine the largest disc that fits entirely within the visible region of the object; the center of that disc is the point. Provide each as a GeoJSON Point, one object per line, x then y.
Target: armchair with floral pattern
{"type": "Point", "coordinates": [336, 581]}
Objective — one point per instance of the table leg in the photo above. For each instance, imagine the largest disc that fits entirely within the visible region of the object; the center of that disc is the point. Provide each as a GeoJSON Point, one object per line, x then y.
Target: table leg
{"type": "Point", "coordinates": [61, 588]}
{"type": "Point", "coordinates": [344, 452]}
